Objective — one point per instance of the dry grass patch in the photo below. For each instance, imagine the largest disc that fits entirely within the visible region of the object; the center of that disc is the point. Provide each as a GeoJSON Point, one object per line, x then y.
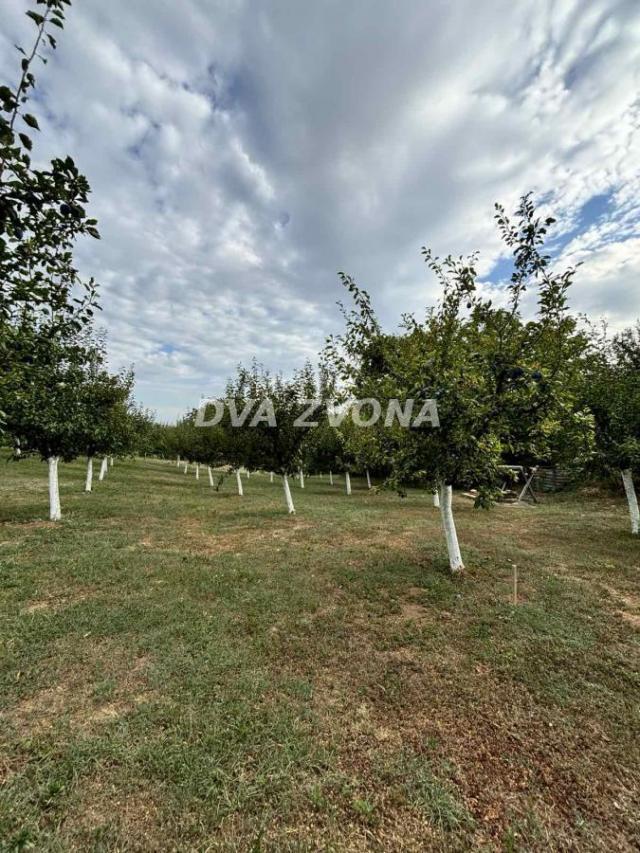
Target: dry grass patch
{"type": "Point", "coordinates": [17, 526]}
{"type": "Point", "coordinates": [631, 618]}
{"type": "Point", "coordinates": [55, 603]}
{"type": "Point", "coordinates": [126, 819]}
{"type": "Point", "coordinates": [198, 537]}
{"type": "Point", "coordinates": [82, 701]}
{"type": "Point", "coordinates": [494, 750]}
{"type": "Point", "coordinates": [413, 612]}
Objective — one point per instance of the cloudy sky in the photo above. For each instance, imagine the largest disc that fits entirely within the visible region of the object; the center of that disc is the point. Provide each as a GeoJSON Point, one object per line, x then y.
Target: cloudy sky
{"type": "Point", "coordinates": [241, 153]}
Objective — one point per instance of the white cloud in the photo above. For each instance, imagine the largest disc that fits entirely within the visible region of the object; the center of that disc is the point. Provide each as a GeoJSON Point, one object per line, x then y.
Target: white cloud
{"type": "Point", "coordinates": [241, 154]}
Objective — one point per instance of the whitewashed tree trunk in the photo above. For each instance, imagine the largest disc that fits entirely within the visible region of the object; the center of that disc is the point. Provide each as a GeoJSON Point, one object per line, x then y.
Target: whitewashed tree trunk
{"type": "Point", "coordinates": [186, 467]}
{"type": "Point", "coordinates": [330, 478]}
{"type": "Point", "coordinates": [301, 479]}
{"type": "Point", "coordinates": [178, 461]}
{"type": "Point", "coordinates": [368, 479]}
{"type": "Point", "coordinates": [210, 475]}
{"type": "Point", "coordinates": [347, 480]}
{"type": "Point", "coordinates": [88, 483]}
{"type": "Point", "coordinates": [632, 500]}
{"type": "Point", "coordinates": [103, 469]}
{"type": "Point", "coordinates": [271, 476]}
{"type": "Point", "coordinates": [55, 513]}
{"type": "Point", "coordinates": [111, 462]}
{"type": "Point", "coordinates": [239, 482]}
{"type": "Point", "coordinates": [197, 470]}
{"type": "Point", "coordinates": [287, 494]}
{"type": "Point", "coordinates": [451, 536]}
{"type": "Point", "coordinates": [436, 498]}
{"type": "Point", "coordinates": [248, 475]}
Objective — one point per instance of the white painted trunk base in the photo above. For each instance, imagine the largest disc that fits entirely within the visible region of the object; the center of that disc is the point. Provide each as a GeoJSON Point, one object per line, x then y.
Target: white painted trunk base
{"type": "Point", "coordinates": [88, 483]}
{"type": "Point", "coordinates": [301, 479]}
{"type": "Point", "coordinates": [186, 467]}
{"type": "Point", "coordinates": [197, 471]}
{"type": "Point", "coordinates": [55, 513]}
{"type": "Point", "coordinates": [436, 499]}
{"type": "Point", "coordinates": [368, 479]}
{"type": "Point", "coordinates": [103, 469]}
{"type": "Point", "coordinates": [347, 480]}
{"type": "Point", "coordinates": [330, 478]}
{"type": "Point", "coordinates": [632, 500]}
{"type": "Point", "coordinates": [111, 462]}
{"type": "Point", "coordinates": [450, 534]}
{"type": "Point", "coordinates": [239, 482]}
{"type": "Point", "coordinates": [178, 462]}
{"type": "Point", "coordinates": [287, 494]}
{"type": "Point", "coordinates": [271, 476]}
{"type": "Point", "coordinates": [210, 472]}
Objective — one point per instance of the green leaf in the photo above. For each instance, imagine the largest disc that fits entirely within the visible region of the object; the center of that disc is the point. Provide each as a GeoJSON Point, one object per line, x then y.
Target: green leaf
{"type": "Point", "coordinates": [39, 19]}
{"type": "Point", "coordinates": [28, 144]}
{"type": "Point", "coordinates": [32, 121]}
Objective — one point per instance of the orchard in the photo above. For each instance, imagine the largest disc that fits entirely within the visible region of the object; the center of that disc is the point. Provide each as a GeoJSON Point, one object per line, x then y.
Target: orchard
{"type": "Point", "coordinates": [386, 599]}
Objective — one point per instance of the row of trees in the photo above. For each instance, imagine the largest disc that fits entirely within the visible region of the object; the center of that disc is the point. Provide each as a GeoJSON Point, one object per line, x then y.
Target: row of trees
{"type": "Point", "coordinates": [256, 429]}
{"type": "Point", "coordinates": [57, 398]}
{"type": "Point", "coordinates": [549, 390]}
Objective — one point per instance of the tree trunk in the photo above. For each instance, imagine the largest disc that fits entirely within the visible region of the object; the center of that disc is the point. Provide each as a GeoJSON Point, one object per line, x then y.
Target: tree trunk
{"type": "Point", "coordinates": [103, 469]}
{"type": "Point", "coordinates": [111, 462]}
{"type": "Point", "coordinates": [197, 470]}
{"type": "Point", "coordinates": [89, 481]}
{"type": "Point", "coordinates": [210, 475]}
{"type": "Point", "coordinates": [455, 558]}
{"type": "Point", "coordinates": [632, 500]}
{"type": "Point", "coordinates": [186, 467]}
{"type": "Point", "coordinates": [55, 513]}
{"type": "Point", "coordinates": [248, 475]}
{"type": "Point", "coordinates": [330, 478]}
{"type": "Point", "coordinates": [271, 476]}
{"type": "Point", "coordinates": [347, 480]}
{"type": "Point", "coordinates": [368, 479]}
{"type": "Point", "coordinates": [178, 461]}
{"type": "Point", "coordinates": [287, 494]}
{"type": "Point", "coordinates": [301, 479]}
{"type": "Point", "coordinates": [239, 482]}
{"type": "Point", "coordinates": [436, 498]}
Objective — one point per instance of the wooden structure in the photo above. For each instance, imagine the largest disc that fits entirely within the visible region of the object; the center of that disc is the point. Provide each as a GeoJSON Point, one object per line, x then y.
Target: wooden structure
{"type": "Point", "coordinates": [520, 477]}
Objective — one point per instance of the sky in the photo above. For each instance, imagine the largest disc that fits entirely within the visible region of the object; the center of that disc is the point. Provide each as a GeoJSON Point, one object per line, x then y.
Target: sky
{"type": "Point", "coordinates": [241, 154]}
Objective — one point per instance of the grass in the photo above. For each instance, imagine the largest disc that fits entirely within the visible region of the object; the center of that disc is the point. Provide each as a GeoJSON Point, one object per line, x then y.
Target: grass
{"type": "Point", "coordinates": [188, 670]}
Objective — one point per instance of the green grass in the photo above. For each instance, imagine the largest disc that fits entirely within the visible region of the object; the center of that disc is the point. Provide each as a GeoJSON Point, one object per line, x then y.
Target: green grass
{"type": "Point", "coordinates": [185, 669]}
